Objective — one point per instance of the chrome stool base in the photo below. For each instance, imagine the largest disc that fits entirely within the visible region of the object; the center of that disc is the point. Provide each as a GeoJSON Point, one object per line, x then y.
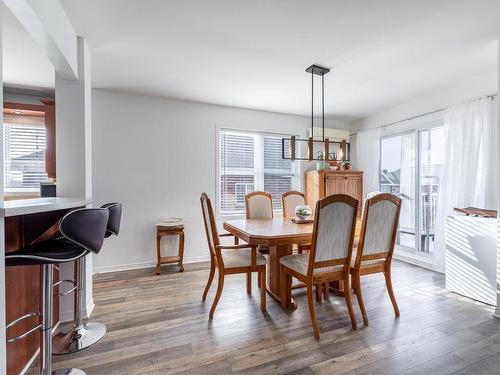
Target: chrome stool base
{"type": "Point", "coordinates": [78, 339]}
{"type": "Point", "coordinates": [68, 371]}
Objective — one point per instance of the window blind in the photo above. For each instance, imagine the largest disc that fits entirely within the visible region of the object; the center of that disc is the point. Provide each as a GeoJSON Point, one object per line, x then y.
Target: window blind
{"type": "Point", "coordinates": [24, 157]}
{"type": "Point", "coordinates": [250, 161]}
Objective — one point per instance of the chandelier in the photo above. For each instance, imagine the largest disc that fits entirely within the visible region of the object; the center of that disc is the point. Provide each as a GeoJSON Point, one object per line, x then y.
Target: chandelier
{"type": "Point", "coordinates": [289, 146]}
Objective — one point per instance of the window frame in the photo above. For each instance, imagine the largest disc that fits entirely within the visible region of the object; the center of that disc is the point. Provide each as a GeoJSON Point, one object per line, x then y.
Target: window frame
{"type": "Point", "coordinates": [296, 180]}
{"type": "Point", "coordinates": [47, 110]}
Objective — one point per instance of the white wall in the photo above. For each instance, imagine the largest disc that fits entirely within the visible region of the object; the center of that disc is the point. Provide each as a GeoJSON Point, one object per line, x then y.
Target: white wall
{"type": "Point", "coordinates": [157, 156]}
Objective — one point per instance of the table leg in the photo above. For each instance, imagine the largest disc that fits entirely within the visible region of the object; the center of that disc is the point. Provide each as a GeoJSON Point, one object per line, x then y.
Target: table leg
{"type": "Point", "coordinates": [337, 287]}
{"type": "Point", "coordinates": [158, 253]}
{"type": "Point", "coordinates": [274, 272]}
{"type": "Point", "coordinates": [181, 251]}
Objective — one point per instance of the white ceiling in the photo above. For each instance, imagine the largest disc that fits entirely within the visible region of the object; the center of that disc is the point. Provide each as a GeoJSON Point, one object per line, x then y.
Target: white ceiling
{"type": "Point", "coordinates": [253, 53]}
{"type": "Point", "coordinates": [25, 64]}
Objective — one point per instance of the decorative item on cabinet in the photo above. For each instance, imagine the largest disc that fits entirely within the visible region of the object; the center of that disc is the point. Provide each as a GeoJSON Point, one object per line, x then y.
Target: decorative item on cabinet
{"type": "Point", "coordinates": [320, 184]}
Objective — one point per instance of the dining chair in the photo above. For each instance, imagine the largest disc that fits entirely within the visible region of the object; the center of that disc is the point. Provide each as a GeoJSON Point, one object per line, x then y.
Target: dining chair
{"type": "Point", "coordinates": [330, 256]}
{"type": "Point", "coordinates": [289, 201]}
{"type": "Point", "coordinates": [259, 205]}
{"type": "Point", "coordinates": [379, 226]}
{"type": "Point", "coordinates": [230, 259]}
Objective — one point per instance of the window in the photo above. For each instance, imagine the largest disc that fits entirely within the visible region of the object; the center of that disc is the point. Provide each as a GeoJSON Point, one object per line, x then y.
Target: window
{"type": "Point", "coordinates": [410, 166]}
{"type": "Point", "coordinates": [250, 161]}
{"type": "Point", "coordinates": [24, 156]}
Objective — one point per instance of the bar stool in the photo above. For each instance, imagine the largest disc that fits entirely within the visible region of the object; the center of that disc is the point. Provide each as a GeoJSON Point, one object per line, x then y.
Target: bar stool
{"type": "Point", "coordinates": [83, 335]}
{"type": "Point", "coordinates": [82, 231]}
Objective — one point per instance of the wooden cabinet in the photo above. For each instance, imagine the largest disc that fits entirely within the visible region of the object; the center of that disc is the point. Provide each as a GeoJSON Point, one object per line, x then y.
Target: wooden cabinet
{"type": "Point", "coordinates": [320, 184]}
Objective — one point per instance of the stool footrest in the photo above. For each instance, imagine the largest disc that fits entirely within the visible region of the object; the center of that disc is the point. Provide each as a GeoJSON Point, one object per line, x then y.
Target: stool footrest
{"type": "Point", "coordinates": [69, 281]}
{"type": "Point", "coordinates": [23, 335]}
{"type": "Point", "coordinates": [170, 259]}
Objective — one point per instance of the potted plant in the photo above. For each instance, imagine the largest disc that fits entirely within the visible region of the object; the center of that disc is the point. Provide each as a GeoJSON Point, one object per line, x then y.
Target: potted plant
{"type": "Point", "coordinates": [321, 165]}
{"type": "Point", "coordinates": [347, 165]}
{"type": "Point", "coordinates": [332, 160]}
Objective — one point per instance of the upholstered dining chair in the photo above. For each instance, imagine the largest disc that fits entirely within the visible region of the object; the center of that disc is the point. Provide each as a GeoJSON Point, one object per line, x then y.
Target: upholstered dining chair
{"type": "Point", "coordinates": [379, 226]}
{"type": "Point", "coordinates": [289, 201]}
{"type": "Point", "coordinates": [230, 259]}
{"type": "Point", "coordinates": [330, 256]}
{"type": "Point", "coordinates": [259, 205]}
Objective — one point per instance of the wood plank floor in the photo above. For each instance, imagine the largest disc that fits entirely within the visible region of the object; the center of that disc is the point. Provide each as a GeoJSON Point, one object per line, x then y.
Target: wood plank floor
{"type": "Point", "coordinates": [158, 325]}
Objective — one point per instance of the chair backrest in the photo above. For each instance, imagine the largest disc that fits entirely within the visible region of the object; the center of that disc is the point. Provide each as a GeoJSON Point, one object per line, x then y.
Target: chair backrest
{"type": "Point", "coordinates": [115, 216]}
{"type": "Point", "coordinates": [290, 200]}
{"type": "Point", "coordinates": [210, 224]}
{"type": "Point", "coordinates": [85, 227]}
{"type": "Point", "coordinates": [333, 232]}
{"type": "Point", "coordinates": [259, 205]}
{"type": "Point", "coordinates": [379, 227]}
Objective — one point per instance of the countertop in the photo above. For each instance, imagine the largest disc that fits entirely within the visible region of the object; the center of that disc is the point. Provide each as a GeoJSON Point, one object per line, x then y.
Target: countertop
{"type": "Point", "coordinates": [36, 205]}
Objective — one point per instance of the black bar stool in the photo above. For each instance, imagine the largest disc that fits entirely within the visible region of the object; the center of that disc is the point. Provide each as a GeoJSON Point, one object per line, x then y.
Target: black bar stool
{"type": "Point", "coordinates": [82, 231]}
{"type": "Point", "coordinates": [83, 335]}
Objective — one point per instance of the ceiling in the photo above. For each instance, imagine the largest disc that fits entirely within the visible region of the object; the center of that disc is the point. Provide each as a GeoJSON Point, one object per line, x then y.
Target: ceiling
{"type": "Point", "coordinates": [25, 64]}
{"type": "Point", "coordinates": [253, 53]}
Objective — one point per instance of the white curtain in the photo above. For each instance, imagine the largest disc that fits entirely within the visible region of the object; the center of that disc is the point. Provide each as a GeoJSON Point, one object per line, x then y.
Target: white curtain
{"type": "Point", "coordinates": [367, 157]}
{"type": "Point", "coordinates": [471, 169]}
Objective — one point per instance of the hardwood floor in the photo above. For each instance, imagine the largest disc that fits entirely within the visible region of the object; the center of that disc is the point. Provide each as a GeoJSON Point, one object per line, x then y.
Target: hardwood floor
{"type": "Point", "coordinates": [158, 325]}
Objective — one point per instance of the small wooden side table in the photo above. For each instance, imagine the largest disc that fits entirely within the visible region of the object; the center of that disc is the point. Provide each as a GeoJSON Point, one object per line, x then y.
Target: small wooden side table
{"type": "Point", "coordinates": [170, 231]}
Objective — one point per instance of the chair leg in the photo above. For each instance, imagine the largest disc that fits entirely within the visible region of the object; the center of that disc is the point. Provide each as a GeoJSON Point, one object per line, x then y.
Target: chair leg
{"type": "Point", "coordinates": [357, 289]}
{"type": "Point", "coordinates": [388, 282]}
{"type": "Point", "coordinates": [262, 278]}
{"type": "Point", "coordinates": [220, 285]}
{"type": "Point", "coordinates": [249, 282]}
{"type": "Point", "coordinates": [210, 278]}
{"type": "Point", "coordinates": [259, 281]}
{"type": "Point", "coordinates": [348, 302]}
{"type": "Point", "coordinates": [312, 313]}
{"type": "Point", "coordinates": [318, 292]}
{"type": "Point", "coordinates": [326, 290]}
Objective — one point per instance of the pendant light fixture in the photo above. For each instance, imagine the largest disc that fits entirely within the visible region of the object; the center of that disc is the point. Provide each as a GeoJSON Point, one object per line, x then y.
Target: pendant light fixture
{"type": "Point", "coordinates": [343, 146]}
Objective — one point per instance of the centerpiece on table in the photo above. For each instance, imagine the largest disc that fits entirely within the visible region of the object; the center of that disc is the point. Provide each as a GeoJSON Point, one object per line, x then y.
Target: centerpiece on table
{"type": "Point", "coordinates": [303, 214]}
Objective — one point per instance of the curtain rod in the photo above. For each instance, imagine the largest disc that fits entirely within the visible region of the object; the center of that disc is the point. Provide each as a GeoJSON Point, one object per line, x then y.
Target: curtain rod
{"type": "Point", "coordinates": [418, 116]}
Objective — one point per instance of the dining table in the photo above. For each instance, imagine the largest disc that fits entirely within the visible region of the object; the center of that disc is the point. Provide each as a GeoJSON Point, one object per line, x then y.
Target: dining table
{"type": "Point", "coordinates": [278, 235]}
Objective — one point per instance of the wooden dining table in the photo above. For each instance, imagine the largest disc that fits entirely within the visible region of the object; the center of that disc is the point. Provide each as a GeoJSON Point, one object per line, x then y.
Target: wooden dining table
{"type": "Point", "coordinates": [279, 235]}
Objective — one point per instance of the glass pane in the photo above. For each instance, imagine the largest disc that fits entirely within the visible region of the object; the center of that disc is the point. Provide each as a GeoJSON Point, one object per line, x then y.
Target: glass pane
{"type": "Point", "coordinates": [237, 170]}
{"type": "Point", "coordinates": [431, 163]}
{"type": "Point", "coordinates": [24, 156]}
{"type": "Point", "coordinates": [278, 176]}
{"type": "Point", "coordinates": [397, 176]}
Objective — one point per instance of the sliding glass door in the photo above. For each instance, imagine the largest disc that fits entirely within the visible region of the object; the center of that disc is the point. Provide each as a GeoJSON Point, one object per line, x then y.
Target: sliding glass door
{"type": "Point", "coordinates": [410, 165]}
{"type": "Point", "coordinates": [397, 176]}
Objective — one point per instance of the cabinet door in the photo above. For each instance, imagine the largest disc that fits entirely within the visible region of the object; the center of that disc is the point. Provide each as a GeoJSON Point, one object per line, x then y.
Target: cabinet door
{"type": "Point", "coordinates": [335, 185]}
{"type": "Point", "coordinates": [353, 187]}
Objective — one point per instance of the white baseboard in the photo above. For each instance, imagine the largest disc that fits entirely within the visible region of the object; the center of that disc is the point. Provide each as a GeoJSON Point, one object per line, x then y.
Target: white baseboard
{"type": "Point", "coordinates": [149, 264]}
{"type": "Point", "coordinates": [415, 260]}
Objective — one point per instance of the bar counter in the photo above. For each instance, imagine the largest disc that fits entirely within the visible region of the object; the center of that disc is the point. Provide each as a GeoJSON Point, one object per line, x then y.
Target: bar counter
{"type": "Point", "coordinates": [36, 205]}
{"type": "Point", "coordinates": [28, 221]}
